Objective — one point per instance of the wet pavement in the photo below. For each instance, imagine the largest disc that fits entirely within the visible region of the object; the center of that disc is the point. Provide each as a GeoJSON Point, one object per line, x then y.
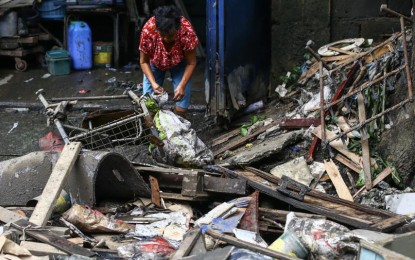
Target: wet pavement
{"type": "Point", "coordinates": [19, 105]}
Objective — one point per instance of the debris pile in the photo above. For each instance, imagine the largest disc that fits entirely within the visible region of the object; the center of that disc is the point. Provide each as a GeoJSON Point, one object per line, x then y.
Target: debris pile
{"type": "Point", "coordinates": [142, 184]}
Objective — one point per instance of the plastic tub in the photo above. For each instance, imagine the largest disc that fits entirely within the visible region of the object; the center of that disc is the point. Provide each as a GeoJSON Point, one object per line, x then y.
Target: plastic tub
{"type": "Point", "coordinates": [59, 62]}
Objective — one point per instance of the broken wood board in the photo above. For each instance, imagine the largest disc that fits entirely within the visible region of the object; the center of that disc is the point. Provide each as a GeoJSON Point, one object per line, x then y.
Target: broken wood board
{"type": "Point", "coordinates": [297, 123]}
{"type": "Point", "coordinates": [174, 196]}
{"type": "Point", "coordinates": [348, 163]}
{"type": "Point", "coordinates": [365, 142]}
{"type": "Point", "coordinates": [187, 244]}
{"type": "Point", "coordinates": [243, 140]}
{"type": "Point", "coordinates": [155, 191]}
{"type": "Point", "coordinates": [267, 148]}
{"type": "Point", "coordinates": [338, 182]}
{"type": "Point", "coordinates": [338, 145]}
{"type": "Point", "coordinates": [41, 249]}
{"type": "Point", "coordinates": [50, 238]}
{"type": "Point", "coordinates": [211, 184]}
{"type": "Point", "coordinates": [8, 216]}
{"type": "Point", "coordinates": [53, 187]}
{"type": "Point", "coordinates": [192, 185]}
{"type": "Point", "coordinates": [224, 138]}
{"type": "Point", "coordinates": [340, 210]}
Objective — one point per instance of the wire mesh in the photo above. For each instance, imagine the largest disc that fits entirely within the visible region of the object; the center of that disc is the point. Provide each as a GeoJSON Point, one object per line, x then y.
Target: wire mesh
{"type": "Point", "coordinates": [127, 135]}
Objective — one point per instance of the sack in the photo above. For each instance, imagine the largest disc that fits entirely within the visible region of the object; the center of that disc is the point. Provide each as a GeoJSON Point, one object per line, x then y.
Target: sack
{"type": "Point", "coordinates": [181, 146]}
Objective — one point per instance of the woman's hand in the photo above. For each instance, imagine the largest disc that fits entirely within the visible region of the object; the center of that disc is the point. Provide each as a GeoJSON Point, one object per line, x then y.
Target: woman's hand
{"type": "Point", "coordinates": [178, 93]}
{"type": "Point", "coordinates": [157, 89]}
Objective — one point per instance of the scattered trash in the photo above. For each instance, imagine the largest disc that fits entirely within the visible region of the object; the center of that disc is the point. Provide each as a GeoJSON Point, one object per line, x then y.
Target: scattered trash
{"type": "Point", "coordinates": [89, 220]}
{"type": "Point", "coordinates": [13, 127]}
{"type": "Point", "coordinates": [6, 79]}
{"type": "Point", "coordinates": [28, 80]}
{"type": "Point", "coordinates": [84, 91]}
{"type": "Point", "coordinates": [47, 75]}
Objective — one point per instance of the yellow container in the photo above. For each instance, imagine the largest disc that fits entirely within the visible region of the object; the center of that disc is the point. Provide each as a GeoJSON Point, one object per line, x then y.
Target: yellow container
{"type": "Point", "coordinates": [102, 54]}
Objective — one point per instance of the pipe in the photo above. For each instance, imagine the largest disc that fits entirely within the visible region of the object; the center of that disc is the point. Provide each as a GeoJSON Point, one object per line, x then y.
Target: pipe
{"type": "Point", "coordinates": [96, 176]}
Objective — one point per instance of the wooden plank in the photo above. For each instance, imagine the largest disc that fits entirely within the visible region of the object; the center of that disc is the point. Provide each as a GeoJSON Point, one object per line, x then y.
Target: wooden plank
{"type": "Point", "coordinates": [224, 185]}
{"type": "Point", "coordinates": [50, 238]}
{"type": "Point", "coordinates": [192, 185]}
{"type": "Point", "coordinates": [336, 58]}
{"type": "Point", "coordinates": [337, 180]}
{"type": "Point", "coordinates": [174, 196]}
{"type": "Point", "coordinates": [365, 142]}
{"type": "Point", "coordinates": [7, 216]}
{"type": "Point", "coordinates": [210, 183]}
{"type": "Point", "coordinates": [53, 187]}
{"type": "Point", "coordinates": [187, 244]}
{"type": "Point", "coordinates": [338, 145]}
{"type": "Point", "coordinates": [243, 140]}
{"type": "Point", "coordinates": [41, 249]}
{"type": "Point", "coordinates": [348, 163]}
{"type": "Point", "coordinates": [298, 123]}
{"type": "Point", "coordinates": [340, 210]}
{"type": "Point", "coordinates": [224, 138]}
{"type": "Point", "coordinates": [155, 191]}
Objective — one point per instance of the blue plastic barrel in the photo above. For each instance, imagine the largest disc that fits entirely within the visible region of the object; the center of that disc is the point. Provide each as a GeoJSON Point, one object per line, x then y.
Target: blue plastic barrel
{"type": "Point", "coordinates": [80, 45]}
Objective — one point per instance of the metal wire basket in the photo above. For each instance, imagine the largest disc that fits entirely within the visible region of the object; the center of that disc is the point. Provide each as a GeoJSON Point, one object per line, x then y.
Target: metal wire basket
{"type": "Point", "coordinates": [127, 135]}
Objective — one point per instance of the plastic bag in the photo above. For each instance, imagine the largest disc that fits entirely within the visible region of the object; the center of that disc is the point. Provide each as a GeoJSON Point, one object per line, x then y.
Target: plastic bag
{"type": "Point", "coordinates": [151, 247]}
{"type": "Point", "coordinates": [181, 146]}
{"type": "Point", "coordinates": [89, 220]}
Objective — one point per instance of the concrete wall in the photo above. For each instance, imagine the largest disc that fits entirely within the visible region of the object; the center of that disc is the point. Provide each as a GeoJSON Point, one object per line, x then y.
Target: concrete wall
{"type": "Point", "coordinates": [294, 22]}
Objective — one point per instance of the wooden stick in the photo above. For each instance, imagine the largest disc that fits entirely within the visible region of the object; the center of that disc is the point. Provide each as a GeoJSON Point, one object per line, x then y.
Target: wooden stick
{"type": "Point", "coordinates": [242, 244]}
{"type": "Point", "coordinates": [155, 191]}
{"type": "Point", "coordinates": [53, 187]}
{"type": "Point", "coordinates": [322, 116]}
{"type": "Point", "coordinates": [406, 57]}
{"type": "Point", "coordinates": [365, 143]}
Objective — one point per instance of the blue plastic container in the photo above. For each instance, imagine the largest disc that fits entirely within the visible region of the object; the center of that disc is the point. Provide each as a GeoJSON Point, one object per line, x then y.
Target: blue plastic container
{"type": "Point", "coordinates": [50, 11]}
{"type": "Point", "coordinates": [80, 45]}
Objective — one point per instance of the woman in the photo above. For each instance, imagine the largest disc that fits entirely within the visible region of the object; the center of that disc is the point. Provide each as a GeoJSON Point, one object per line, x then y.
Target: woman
{"type": "Point", "coordinates": [168, 43]}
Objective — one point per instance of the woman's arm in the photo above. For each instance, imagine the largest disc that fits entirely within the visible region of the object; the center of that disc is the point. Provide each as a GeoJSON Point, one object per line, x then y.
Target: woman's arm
{"type": "Point", "coordinates": [190, 57]}
{"type": "Point", "coordinates": [145, 66]}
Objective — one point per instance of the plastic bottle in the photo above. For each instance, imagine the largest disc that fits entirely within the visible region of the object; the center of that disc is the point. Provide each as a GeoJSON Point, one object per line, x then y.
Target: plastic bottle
{"type": "Point", "coordinates": [80, 45]}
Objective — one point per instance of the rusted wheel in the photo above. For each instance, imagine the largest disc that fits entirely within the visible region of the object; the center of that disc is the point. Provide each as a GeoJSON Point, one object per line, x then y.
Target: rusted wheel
{"type": "Point", "coordinates": [21, 66]}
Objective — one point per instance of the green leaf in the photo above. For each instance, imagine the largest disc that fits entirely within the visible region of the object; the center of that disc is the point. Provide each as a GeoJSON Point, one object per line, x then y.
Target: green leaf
{"type": "Point", "coordinates": [243, 131]}
{"type": "Point", "coordinates": [361, 181]}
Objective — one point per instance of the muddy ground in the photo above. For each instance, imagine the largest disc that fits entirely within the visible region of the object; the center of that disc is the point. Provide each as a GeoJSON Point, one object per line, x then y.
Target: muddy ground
{"type": "Point", "coordinates": [19, 104]}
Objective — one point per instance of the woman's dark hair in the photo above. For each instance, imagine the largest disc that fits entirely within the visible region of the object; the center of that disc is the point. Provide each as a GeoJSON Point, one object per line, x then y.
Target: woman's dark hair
{"type": "Point", "coordinates": [167, 18]}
